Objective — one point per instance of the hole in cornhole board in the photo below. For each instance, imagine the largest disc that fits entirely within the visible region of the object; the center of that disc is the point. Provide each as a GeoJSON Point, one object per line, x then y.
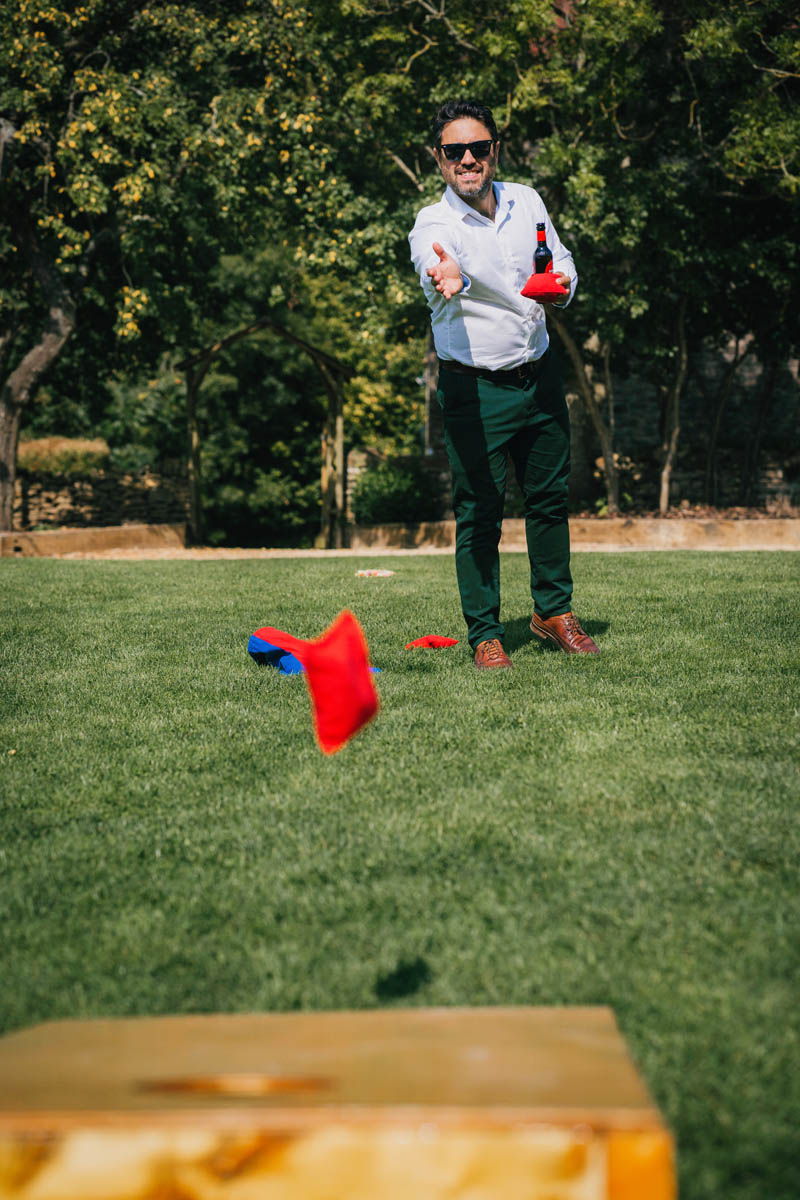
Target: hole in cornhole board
{"type": "Point", "coordinates": [238, 1085]}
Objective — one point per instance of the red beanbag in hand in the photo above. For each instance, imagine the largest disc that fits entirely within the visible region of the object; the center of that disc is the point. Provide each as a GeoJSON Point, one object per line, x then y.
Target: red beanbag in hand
{"type": "Point", "coordinates": [343, 696]}
{"type": "Point", "coordinates": [544, 287]}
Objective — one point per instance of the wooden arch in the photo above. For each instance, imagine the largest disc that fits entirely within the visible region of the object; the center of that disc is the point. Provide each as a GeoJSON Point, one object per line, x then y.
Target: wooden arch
{"type": "Point", "coordinates": [333, 481]}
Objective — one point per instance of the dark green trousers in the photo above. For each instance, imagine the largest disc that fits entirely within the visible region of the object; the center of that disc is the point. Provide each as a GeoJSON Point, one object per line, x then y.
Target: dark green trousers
{"type": "Point", "coordinates": [485, 423]}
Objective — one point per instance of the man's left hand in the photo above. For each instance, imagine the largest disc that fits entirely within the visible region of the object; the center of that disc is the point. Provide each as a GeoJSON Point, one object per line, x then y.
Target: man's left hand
{"type": "Point", "coordinates": [566, 283]}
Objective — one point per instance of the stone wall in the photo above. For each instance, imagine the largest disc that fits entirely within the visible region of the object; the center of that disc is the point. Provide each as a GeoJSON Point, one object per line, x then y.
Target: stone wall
{"type": "Point", "coordinates": [47, 501]}
{"type": "Point", "coordinates": [757, 461]}
{"type": "Point", "coordinates": [776, 486]}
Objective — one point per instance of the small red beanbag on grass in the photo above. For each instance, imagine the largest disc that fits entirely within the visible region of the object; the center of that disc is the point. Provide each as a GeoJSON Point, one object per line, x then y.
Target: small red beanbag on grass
{"type": "Point", "coordinates": [343, 696]}
{"type": "Point", "coordinates": [432, 641]}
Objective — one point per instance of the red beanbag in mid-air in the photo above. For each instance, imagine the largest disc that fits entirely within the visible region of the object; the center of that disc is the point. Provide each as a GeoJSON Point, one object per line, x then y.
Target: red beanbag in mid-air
{"type": "Point", "coordinates": [343, 696]}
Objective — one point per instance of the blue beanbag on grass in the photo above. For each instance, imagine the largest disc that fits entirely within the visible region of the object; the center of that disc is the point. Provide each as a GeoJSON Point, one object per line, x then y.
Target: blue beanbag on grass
{"type": "Point", "coordinates": [269, 655]}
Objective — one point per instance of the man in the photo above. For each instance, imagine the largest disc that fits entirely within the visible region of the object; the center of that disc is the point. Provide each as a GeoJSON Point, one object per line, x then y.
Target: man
{"type": "Point", "coordinates": [499, 386]}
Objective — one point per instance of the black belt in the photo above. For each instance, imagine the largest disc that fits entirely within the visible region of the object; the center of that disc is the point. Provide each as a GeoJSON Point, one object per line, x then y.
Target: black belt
{"type": "Point", "coordinates": [518, 375]}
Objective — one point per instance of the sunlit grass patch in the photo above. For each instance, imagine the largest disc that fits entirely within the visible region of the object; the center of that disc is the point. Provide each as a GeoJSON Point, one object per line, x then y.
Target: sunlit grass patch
{"type": "Point", "coordinates": [618, 830]}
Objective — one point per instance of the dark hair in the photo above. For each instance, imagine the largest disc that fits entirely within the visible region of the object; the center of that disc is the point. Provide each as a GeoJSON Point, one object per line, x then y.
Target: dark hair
{"type": "Point", "coordinates": [453, 109]}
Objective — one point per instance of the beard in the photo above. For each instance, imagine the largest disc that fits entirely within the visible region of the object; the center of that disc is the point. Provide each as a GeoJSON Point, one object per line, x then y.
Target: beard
{"type": "Point", "coordinates": [478, 188]}
{"type": "Point", "coordinates": [473, 191]}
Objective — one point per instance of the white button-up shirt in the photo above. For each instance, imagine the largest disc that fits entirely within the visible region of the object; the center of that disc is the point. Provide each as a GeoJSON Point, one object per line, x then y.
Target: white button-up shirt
{"type": "Point", "coordinates": [488, 324]}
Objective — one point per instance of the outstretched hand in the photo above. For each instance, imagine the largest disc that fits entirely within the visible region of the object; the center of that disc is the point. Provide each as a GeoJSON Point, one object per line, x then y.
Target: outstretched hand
{"type": "Point", "coordinates": [446, 275]}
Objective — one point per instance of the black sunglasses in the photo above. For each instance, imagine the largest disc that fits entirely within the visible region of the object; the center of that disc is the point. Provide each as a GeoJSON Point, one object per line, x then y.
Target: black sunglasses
{"type": "Point", "coordinates": [455, 151]}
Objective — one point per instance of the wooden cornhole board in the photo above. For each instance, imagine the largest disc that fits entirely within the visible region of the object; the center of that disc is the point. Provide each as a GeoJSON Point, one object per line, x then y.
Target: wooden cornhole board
{"type": "Point", "coordinates": [419, 1104]}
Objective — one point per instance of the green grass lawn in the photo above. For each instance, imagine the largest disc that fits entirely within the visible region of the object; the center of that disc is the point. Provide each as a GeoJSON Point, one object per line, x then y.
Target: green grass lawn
{"type": "Point", "coordinates": [619, 829]}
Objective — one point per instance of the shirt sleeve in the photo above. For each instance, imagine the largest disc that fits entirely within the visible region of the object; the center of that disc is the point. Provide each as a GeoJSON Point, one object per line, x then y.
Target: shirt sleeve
{"type": "Point", "coordinates": [426, 231]}
{"type": "Point", "coordinates": [562, 258]}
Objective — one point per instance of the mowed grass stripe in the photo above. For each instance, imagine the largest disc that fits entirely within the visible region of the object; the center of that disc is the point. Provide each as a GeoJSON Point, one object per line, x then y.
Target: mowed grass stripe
{"type": "Point", "coordinates": [619, 830]}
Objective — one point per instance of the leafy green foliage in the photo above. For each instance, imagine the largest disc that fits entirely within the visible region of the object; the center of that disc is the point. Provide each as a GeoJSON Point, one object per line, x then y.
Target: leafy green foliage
{"type": "Point", "coordinates": [261, 459]}
{"type": "Point", "coordinates": [122, 136]}
{"type": "Point", "coordinates": [400, 490]}
{"type": "Point", "coordinates": [143, 422]}
{"type": "Point", "coordinates": [185, 169]}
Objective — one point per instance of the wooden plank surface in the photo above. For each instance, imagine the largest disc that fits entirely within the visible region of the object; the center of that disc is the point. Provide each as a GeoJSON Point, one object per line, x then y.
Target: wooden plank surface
{"type": "Point", "coordinates": [532, 1064]}
{"type": "Point", "coordinates": [418, 1104]}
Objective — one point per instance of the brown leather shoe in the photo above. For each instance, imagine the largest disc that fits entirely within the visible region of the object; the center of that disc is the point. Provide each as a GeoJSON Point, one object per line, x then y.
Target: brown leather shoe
{"type": "Point", "coordinates": [565, 632]}
{"type": "Point", "coordinates": [490, 654]}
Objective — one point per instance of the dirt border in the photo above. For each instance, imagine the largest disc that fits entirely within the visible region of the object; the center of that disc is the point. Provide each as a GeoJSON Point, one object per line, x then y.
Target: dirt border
{"type": "Point", "coordinates": [141, 542]}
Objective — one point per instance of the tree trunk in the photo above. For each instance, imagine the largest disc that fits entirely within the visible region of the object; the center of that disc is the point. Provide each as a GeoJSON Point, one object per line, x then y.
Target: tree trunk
{"type": "Point", "coordinates": [20, 385]}
{"type": "Point", "coordinates": [750, 472]}
{"type": "Point", "coordinates": [340, 490]}
{"type": "Point", "coordinates": [586, 393]}
{"type": "Point", "coordinates": [609, 386]}
{"type": "Point", "coordinates": [583, 453]}
{"type": "Point", "coordinates": [672, 405]}
{"type": "Point", "coordinates": [331, 534]}
{"type": "Point", "coordinates": [195, 374]}
{"type": "Point", "coordinates": [721, 400]}
{"type": "Point", "coordinates": [10, 415]}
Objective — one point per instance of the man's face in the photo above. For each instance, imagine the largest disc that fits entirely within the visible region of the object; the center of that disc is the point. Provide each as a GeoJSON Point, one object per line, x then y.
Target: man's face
{"type": "Point", "coordinates": [471, 177]}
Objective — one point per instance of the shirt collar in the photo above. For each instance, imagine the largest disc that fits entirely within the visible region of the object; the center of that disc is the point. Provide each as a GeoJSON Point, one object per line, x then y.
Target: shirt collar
{"type": "Point", "coordinates": [462, 209]}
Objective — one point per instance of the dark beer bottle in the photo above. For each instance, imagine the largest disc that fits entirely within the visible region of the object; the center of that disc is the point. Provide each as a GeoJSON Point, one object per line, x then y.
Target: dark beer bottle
{"type": "Point", "coordinates": [542, 258]}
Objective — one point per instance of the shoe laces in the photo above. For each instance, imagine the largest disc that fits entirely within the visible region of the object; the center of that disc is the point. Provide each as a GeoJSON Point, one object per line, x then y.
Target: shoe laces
{"type": "Point", "coordinates": [493, 649]}
{"type": "Point", "coordinates": [571, 624]}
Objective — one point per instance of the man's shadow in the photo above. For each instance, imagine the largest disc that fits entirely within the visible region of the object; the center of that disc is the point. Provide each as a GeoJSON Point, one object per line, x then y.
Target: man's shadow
{"type": "Point", "coordinates": [518, 633]}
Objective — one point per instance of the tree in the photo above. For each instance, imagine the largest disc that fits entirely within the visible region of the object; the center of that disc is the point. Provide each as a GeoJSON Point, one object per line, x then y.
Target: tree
{"type": "Point", "coordinates": [657, 130]}
{"type": "Point", "coordinates": [157, 146]}
{"type": "Point", "coordinates": [141, 141]}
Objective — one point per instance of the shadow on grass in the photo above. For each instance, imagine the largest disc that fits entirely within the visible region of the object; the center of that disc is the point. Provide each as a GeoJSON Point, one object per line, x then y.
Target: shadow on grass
{"type": "Point", "coordinates": [518, 633]}
{"type": "Point", "coordinates": [404, 980]}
